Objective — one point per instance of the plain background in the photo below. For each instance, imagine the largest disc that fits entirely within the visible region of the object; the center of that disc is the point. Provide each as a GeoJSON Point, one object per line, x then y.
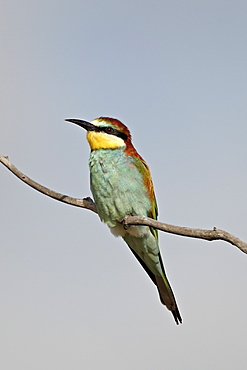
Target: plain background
{"type": "Point", "coordinates": [73, 296]}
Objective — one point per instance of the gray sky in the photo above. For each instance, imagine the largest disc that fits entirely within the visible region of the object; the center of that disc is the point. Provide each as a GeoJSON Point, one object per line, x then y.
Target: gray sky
{"type": "Point", "coordinates": [73, 296]}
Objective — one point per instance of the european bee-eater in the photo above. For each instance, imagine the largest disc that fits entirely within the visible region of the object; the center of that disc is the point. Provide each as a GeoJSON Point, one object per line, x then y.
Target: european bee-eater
{"type": "Point", "coordinates": [121, 185]}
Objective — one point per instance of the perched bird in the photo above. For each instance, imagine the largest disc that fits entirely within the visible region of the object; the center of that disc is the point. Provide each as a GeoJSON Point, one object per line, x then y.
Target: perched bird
{"type": "Point", "coordinates": [121, 185]}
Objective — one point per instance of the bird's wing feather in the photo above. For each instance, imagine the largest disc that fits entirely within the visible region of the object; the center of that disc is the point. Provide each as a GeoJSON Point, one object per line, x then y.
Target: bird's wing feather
{"type": "Point", "coordinates": [148, 183]}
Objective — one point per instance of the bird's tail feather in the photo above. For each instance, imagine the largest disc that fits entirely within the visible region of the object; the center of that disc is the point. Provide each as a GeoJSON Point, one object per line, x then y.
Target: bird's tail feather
{"type": "Point", "coordinates": [165, 291]}
{"type": "Point", "coordinates": [167, 297]}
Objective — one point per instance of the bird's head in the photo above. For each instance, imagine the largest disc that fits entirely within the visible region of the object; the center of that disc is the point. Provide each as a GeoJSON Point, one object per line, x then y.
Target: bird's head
{"type": "Point", "coordinates": [105, 133]}
{"type": "Point", "coordinates": [110, 133]}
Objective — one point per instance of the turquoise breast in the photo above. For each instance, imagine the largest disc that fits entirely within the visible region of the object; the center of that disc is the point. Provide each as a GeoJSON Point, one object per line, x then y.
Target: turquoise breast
{"type": "Point", "coordinates": [117, 185]}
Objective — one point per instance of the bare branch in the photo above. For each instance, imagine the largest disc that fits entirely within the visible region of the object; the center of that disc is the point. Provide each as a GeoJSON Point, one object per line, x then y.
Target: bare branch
{"type": "Point", "coordinates": [84, 203]}
{"type": "Point", "coordinates": [210, 235]}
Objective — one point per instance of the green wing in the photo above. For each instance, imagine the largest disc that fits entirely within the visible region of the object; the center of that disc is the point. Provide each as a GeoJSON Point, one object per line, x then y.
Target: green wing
{"type": "Point", "coordinates": [147, 180]}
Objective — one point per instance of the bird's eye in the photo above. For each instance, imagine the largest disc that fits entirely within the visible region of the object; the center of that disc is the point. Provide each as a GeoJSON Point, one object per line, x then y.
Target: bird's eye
{"type": "Point", "coordinates": [109, 130]}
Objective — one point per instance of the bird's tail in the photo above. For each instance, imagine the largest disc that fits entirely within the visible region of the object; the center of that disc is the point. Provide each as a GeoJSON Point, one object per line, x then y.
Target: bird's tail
{"type": "Point", "coordinates": [167, 297]}
{"type": "Point", "coordinates": [153, 265]}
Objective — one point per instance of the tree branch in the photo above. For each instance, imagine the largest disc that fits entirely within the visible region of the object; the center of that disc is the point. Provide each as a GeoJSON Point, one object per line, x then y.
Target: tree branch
{"type": "Point", "coordinates": [84, 203]}
{"type": "Point", "coordinates": [210, 235]}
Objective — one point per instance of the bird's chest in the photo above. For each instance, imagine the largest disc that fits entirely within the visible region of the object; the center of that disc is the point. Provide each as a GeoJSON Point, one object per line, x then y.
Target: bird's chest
{"type": "Point", "coordinates": [107, 173]}
{"type": "Point", "coordinates": [117, 185]}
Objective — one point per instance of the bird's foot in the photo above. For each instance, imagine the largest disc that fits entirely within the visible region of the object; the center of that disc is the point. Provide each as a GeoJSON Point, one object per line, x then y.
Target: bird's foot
{"type": "Point", "coordinates": [124, 221]}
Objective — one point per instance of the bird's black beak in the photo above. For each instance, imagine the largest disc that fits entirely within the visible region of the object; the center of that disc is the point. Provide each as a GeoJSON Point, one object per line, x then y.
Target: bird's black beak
{"type": "Point", "coordinates": [86, 125]}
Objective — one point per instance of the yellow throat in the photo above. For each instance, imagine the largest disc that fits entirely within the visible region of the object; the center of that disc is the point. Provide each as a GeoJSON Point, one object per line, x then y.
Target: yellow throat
{"type": "Point", "coordinates": [101, 140]}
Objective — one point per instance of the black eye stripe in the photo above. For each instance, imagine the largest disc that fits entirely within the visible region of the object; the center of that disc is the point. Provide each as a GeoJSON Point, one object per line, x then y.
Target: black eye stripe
{"type": "Point", "coordinates": [113, 131]}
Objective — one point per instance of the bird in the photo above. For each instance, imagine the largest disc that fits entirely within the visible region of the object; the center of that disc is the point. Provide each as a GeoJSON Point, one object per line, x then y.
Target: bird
{"type": "Point", "coordinates": [121, 184]}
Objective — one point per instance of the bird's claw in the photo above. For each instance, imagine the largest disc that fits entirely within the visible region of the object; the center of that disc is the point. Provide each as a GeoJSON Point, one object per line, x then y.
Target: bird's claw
{"type": "Point", "coordinates": [124, 222]}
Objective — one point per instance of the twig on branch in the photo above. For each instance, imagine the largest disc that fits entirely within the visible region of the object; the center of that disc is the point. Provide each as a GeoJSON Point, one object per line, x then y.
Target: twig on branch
{"type": "Point", "coordinates": [210, 235]}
